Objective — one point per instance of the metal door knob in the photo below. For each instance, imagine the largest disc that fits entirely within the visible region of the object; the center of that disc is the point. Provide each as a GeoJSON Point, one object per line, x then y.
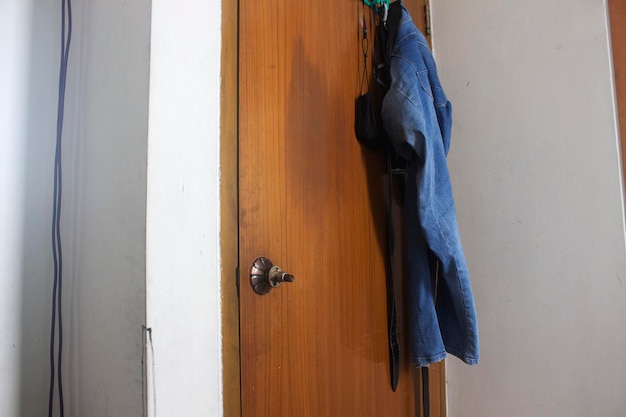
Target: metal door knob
{"type": "Point", "coordinates": [264, 276]}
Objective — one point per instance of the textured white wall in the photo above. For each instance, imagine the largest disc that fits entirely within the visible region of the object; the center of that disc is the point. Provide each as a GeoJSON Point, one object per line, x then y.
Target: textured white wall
{"type": "Point", "coordinates": [536, 175]}
{"type": "Point", "coordinates": [183, 258]}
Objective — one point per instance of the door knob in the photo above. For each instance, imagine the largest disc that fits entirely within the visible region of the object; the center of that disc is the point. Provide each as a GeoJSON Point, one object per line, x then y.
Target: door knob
{"type": "Point", "coordinates": [264, 276]}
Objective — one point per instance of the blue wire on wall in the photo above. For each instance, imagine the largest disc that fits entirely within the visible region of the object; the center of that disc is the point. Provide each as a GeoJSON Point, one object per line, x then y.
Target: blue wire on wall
{"type": "Point", "coordinates": [57, 254]}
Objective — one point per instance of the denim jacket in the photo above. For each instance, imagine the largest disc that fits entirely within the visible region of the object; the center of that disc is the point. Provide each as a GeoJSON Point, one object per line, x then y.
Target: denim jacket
{"type": "Point", "coordinates": [417, 118]}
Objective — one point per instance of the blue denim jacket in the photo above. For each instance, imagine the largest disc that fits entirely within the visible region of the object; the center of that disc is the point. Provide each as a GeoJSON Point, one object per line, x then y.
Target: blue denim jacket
{"type": "Point", "coordinates": [417, 117]}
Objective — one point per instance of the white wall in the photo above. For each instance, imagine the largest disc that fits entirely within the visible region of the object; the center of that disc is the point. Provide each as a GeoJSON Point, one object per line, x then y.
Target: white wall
{"type": "Point", "coordinates": [106, 156]}
{"type": "Point", "coordinates": [104, 208]}
{"type": "Point", "coordinates": [536, 176]}
{"type": "Point", "coordinates": [103, 222]}
{"type": "Point", "coordinates": [106, 184]}
{"type": "Point", "coordinates": [40, 97]}
{"type": "Point", "coordinates": [183, 258]}
{"type": "Point", "coordinates": [14, 55]}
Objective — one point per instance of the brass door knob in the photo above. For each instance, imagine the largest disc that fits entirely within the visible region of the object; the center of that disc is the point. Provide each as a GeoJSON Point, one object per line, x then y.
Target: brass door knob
{"type": "Point", "coordinates": [264, 276]}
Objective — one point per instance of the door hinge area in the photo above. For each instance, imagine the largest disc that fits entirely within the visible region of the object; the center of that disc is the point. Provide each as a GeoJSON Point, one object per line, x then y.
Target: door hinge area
{"type": "Point", "coordinates": [427, 19]}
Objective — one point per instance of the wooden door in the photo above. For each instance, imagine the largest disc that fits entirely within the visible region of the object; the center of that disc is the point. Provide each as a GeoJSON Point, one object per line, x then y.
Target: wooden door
{"type": "Point", "coordinates": [617, 13]}
{"type": "Point", "coordinates": [311, 200]}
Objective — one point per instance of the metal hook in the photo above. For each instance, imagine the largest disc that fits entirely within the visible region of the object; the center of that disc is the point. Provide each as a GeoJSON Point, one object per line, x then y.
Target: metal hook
{"type": "Point", "coordinates": [385, 13]}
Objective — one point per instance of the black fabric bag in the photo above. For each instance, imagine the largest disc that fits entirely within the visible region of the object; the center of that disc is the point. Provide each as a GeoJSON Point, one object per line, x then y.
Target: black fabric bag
{"type": "Point", "coordinates": [368, 124]}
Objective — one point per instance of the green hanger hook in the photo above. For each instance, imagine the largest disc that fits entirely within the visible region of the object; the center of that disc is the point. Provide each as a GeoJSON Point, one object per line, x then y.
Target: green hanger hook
{"type": "Point", "coordinates": [376, 3]}
{"type": "Point", "coordinates": [381, 7]}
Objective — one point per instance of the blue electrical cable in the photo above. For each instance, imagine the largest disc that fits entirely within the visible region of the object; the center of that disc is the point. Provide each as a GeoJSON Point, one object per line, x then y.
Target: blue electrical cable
{"type": "Point", "coordinates": [57, 254]}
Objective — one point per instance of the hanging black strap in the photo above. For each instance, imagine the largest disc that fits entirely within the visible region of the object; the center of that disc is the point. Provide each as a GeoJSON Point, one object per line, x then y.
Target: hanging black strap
{"type": "Point", "coordinates": [392, 313]}
{"type": "Point", "coordinates": [368, 129]}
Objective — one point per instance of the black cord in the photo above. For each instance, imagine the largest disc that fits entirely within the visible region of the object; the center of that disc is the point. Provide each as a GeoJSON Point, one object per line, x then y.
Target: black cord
{"type": "Point", "coordinates": [365, 49]}
{"type": "Point", "coordinates": [57, 253]}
